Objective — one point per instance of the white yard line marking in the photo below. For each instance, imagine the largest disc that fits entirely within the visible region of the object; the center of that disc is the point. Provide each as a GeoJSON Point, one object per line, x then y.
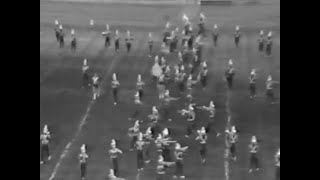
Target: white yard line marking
{"type": "Point", "coordinates": [82, 123]}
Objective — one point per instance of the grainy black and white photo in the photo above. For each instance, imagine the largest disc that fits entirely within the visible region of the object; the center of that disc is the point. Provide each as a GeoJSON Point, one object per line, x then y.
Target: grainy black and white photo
{"type": "Point", "coordinates": [159, 89]}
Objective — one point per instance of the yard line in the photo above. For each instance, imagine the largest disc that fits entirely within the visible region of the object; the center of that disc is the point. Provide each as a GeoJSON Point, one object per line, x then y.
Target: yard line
{"type": "Point", "coordinates": [82, 122]}
{"type": "Point", "coordinates": [227, 153]}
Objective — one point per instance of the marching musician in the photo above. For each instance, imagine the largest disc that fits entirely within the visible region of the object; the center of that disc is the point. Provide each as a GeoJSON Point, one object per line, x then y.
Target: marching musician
{"type": "Point", "coordinates": [277, 160]}
{"type": "Point", "coordinates": [140, 85]}
{"type": "Point", "coordinates": [61, 36]}
{"type": "Point", "coordinates": [45, 139]}
{"type": "Point", "coordinates": [140, 143]}
{"type": "Point", "coordinates": [162, 168]}
{"type": "Point", "coordinates": [253, 149]}
{"type": "Point", "coordinates": [232, 138]}
{"type": "Point", "coordinates": [237, 36]}
{"type": "Point", "coordinates": [269, 87]}
{"type": "Point", "coordinates": [261, 41]}
{"type": "Point", "coordinates": [83, 158]}
{"type": "Point", "coordinates": [133, 133]}
{"type": "Point", "coordinates": [203, 75]}
{"type": "Point", "coordinates": [181, 78]}
{"type": "Point", "coordinates": [202, 137]}
{"type": "Point", "coordinates": [129, 40]}
{"type": "Point", "coordinates": [190, 114]}
{"type": "Point", "coordinates": [114, 153]}
{"type": "Point", "coordinates": [150, 42]}
{"type": "Point", "coordinates": [166, 145]}
{"type": "Point", "coordinates": [148, 137]}
{"type": "Point", "coordinates": [73, 41]}
{"type": "Point", "coordinates": [252, 83]}
{"type": "Point", "coordinates": [189, 84]}
{"type": "Point", "coordinates": [211, 109]}
{"type": "Point", "coordinates": [166, 104]}
{"type": "Point", "coordinates": [215, 34]}
{"type": "Point", "coordinates": [107, 35]}
{"type": "Point", "coordinates": [229, 74]}
{"type": "Point", "coordinates": [269, 44]}
{"type": "Point", "coordinates": [179, 153]}
{"type": "Point", "coordinates": [167, 34]}
{"type": "Point", "coordinates": [115, 84]}
{"type": "Point", "coordinates": [95, 86]}
{"type": "Point", "coordinates": [117, 41]}
{"type": "Point", "coordinates": [154, 117]}
{"type": "Point", "coordinates": [85, 75]}
{"type": "Point", "coordinates": [201, 25]}
{"type": "Point", "coordinates": [56, 30]}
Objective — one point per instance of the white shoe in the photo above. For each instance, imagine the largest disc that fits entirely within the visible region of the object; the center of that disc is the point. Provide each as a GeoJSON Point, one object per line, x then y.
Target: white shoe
{"type": "Point", "coordinates": [41, 162]}
{"type": "Point", "coordinates": [174, 177]}
{"type": "Point", "coordinates": [170, 120]}
{"type": "Point", "coordinates": [115, 103]}
{"type": "Point", "coordinates": [257, 169]}
{"type": "Point", "coordinates": [182, 177]}
{"type": "Point", "coordinates": [250, 171]}
{"type": "Point", "coordinates": [49, 158]}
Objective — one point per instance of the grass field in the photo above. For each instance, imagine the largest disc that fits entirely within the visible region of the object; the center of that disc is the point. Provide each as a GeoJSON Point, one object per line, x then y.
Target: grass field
{"type": "Point", "coordinates": [74, 118]}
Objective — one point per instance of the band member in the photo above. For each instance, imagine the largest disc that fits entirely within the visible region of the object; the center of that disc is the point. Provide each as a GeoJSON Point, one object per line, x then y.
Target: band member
{"type": "Point", "coordinates": [202, 137]}
{"type": "Point", "coordinates": [190, 83]}
{"type": "Point", "coordinates": [252, 83]}
{"type": "Point", "coordinates": [133, 133]}
{"type": "Point", "coordinates": [215, 35]}
{"type": "Point", "coordinates": [111, 176]}
{"type": "Point", "coordinates": [44, 139]}
{"type": "Point", "coordinates": [211, 109]}
{"type": "Point", "coordinates": [140, 143]}
{"type": "Point", "coordinates": [166, 104]}
{"type": "Point", "coordinates": [83, 157]}
{"type": "Point", "coordinates": [166, 145]}
{"type": "Point", "coordinates": [148, 137]}
{"type": "Point", "coordinates": [253, 149]}
{"type": "Point", "coordinates": [61, 36]}
{"type": "Point", "coordinates": [117, 41]}
{"type": "Point", "coordinates": [154, 117]}
{"type": "Point", "coordinates": [73, 41]}
{"type": "Point", "coordinates": [178, 154]}
{"type": "Point", "coordinates": [203, 75]}
{"type": "Point", "coordinates": [269, 93]}
{"type": "Point", "coordinates": [56, 30]}
{"type": "Point", "coordinates": [229, 74]}
{"type": "Point", "coordinates": [191, 39]}
{"type": "Point", "coordinates": [150, 42]}
{"type": "Point", "coordinates": [190, 114]}
{"type": "Point", "coordinates": [269, 44]}
{"type": "Point", "coordinates": [140, 85]}
{"type": "Point", "coordinates": [138, 103]}
{"type": "Point", "coordinates": [232, 138]}
{"type": "Point", "coordinates": [167, 33]}
{"type": "Point", "coordinates": [237, 36]}
{"type": "Point", "coordinates": [202, 30]}
{"type": "Point", "coordinates": [261, 41]}
{"type": "Point", "coordinates": [187, 24]}
{"type": "Point", "coordinates": [277, 160]}
{"type": "Point", "coordinates": [107, 36]}
{"type": "Point", "coordinates": [85, 74]}
{"type": "Point", "coordinates": [167, 73]}
{"type": "Point", "coordinates": [115, 84]}
{"type": "Point", "coordinates": [95, 86]}
{"type": "Point", "coordinates": [162, 168]}
{"type": "Point", "coordinates": [114, 153]}
{"type": "Point", "coordinates": [181, 78]}
{"type": "Point", "coordinates": [129, 40]}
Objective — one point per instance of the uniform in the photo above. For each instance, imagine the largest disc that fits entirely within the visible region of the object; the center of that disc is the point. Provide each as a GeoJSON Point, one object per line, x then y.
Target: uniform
{"type": "Point", "coordinates": [215, 35]}
{"type": "Point", "coordinates": [232, 137]}
{"type": "Point", "coordinates": [139, 86]}
{"type": "Point", "coordinates": [56, 30]}
{"type": "Point", "coordinates": [230, 74]}
{"type": "Point", "coordinates": [115, 84]}
{"type": "Point", "coordinates": [73, 41]}
{"type": "Point", "coordinates": [44, 139]}
{"type": "Point", "coordinates": [128, 40]}
{"type": "Point", "coordinates": [190, 119]}
{"type": "Point", "coordinates": [83, 157]}
{"type": "Point", "coordinates": [203, 76]}
{"type": "Point", "coordinates": [178, 153]}
{"type": "Point", "coordinates": [85, 75]}
{"type": "Point", "coordinates": [269, 88]}
{"type": "Point", "coordinates": [202, 137]}
{"type": "Point", "coordinates": [269, 44]}
{"type": "Point", "coordinates": [117, 41]}
{"type": "Point", "coordinates": [261, 41]}
{"type": "Point", "coordinates": [150, 43]}
{"type": "Point", "coordinates": [162, 167]}
{"type": "Point", "coordinates": [252, 84]}
{"type": "Point", "coordinates": [237, 36]}
{"type": "Point", "coordinates": [133, 133]}
{"type": "Point", "coordinates": [140, 143]}
{"type": "Point", "coordinates": [202, 29]}
{"type": "Point", "coordinates": [107, 37]}
{"type": "Point", "coordinates": [114, 153]}
{"type": "Point", "coordinates": [61, 36]}
{"type": "Point", "coordinates": [253, 149]}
